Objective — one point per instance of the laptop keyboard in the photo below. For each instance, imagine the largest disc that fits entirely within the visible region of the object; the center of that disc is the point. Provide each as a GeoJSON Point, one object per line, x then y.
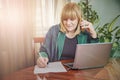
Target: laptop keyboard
{"type": "Point", "coordinates": [68, 64]}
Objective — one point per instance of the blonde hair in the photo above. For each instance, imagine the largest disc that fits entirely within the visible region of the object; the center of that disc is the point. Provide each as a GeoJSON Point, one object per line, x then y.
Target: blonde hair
{"type": "Point", "coordinates": [71, 10]}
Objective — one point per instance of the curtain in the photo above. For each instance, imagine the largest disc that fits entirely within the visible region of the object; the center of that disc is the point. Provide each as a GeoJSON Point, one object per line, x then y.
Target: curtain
{"type": "Point", "coordinates": [17, 19]}
{"type": "Point", "coordinates": [20, 21]}
{"type": "Point", "coordinates": [47, 14]}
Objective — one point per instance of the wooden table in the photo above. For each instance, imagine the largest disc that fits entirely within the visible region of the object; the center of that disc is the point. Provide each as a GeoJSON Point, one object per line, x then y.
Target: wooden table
{"type": "Point", "coordinates": [88, 74]}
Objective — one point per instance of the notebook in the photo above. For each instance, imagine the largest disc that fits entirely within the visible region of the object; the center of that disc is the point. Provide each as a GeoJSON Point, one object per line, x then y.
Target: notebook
{"type": "Point", "coordinates": [93, 55]}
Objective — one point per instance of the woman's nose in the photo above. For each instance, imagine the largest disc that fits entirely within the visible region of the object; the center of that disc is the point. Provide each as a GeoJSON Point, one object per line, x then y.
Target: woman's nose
{"type": "Point", "coordinates": [68, 21]}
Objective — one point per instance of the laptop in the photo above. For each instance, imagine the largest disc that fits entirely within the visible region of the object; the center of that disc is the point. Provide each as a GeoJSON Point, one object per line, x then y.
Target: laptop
{"type": "Point", "coordinates": [93, 55]}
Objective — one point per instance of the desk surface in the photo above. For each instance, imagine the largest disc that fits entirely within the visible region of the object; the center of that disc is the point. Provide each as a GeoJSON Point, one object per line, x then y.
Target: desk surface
{"type": "Point", "coordinates": [88, 74]}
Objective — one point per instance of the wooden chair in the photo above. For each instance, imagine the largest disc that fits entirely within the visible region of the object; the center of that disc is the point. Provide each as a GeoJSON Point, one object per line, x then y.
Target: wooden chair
{"type": "Point", "coordinates": [37, 42]}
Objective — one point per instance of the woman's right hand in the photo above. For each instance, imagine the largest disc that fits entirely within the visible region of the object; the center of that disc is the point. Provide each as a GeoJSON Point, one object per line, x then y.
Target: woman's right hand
{"type": "Point", "coordinates": [42, 62]}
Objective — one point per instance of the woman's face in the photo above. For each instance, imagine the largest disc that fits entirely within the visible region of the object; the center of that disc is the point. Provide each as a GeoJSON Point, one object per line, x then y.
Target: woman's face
{"type": "Point", "coordinates": [70, 24]}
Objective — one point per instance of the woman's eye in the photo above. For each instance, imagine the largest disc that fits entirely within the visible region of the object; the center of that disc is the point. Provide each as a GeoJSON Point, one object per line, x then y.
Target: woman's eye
{"type": "Point", "coordinates": [72, 19]}
{"type": "Point", "coordinates": [65, 19]}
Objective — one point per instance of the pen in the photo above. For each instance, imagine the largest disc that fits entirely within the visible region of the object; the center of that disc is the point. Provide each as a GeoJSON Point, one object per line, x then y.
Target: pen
{"type": "Point", "coordinates": [68, 69]}
{"type": "Point", "coordinates": [42, 58]}
{"type": "Point", "coordinates": [40, 55]}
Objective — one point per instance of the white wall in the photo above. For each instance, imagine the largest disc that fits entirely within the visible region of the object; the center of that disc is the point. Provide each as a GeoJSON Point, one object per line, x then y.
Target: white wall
{"type": "Point", "coordinates": [106, 9]}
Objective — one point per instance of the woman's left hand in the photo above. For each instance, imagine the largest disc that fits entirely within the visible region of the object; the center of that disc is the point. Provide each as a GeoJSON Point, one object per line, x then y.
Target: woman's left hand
{"type": "Point", "coordinates": [85, 25]}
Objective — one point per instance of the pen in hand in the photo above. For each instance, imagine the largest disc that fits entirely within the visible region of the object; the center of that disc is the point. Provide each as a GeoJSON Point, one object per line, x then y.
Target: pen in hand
{"type": "Point", "coordinates": [42, 61]}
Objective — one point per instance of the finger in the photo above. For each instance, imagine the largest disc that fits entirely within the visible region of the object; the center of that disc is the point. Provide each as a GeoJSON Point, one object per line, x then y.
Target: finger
{"type": "Point", "coordinates": [85, 27]}
{"type": "Point", "coordinates": [84, 23]}
{"type": "Point", "coordinates": [46, 60]}
{"type": "Point", "coordinates": [41, 61]}
{"type": "Point", "coordinates": [41, 65]}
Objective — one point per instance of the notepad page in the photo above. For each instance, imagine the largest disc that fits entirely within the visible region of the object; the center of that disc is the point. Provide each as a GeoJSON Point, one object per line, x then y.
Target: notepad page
{"type": "Point", "coordinates": [51, 67]}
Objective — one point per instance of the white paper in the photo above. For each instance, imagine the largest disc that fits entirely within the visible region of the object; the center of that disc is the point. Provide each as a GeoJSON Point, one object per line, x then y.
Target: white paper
{"type": "Point", "coordinates": [51, 67]}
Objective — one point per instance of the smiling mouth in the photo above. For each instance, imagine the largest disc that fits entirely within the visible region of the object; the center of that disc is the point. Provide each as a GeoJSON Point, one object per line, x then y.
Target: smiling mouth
{"type": "Point", "coordinates": [69, 26]}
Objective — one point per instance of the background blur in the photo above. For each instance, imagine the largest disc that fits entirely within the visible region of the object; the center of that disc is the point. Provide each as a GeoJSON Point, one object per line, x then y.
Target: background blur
{"type": "Point", "coordinates": [21, 20]}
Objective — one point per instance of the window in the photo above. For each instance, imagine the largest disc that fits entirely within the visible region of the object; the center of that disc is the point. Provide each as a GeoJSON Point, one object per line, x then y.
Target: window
{"type": "Point", "coordinates": [47, 14]}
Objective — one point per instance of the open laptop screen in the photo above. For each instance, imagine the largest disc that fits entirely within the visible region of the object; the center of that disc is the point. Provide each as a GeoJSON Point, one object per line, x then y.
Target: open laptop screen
{"type": "Point", "coordinates": [91, 55]}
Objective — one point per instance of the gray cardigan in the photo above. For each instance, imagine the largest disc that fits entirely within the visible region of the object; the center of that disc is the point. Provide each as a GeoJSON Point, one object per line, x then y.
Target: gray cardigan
{"type": "Point", "coordinates": [50, 45]}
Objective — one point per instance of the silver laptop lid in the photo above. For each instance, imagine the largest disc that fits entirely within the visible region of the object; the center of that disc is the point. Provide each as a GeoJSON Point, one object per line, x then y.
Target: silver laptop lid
{"type": "Point", "coordinates": [92, 55]}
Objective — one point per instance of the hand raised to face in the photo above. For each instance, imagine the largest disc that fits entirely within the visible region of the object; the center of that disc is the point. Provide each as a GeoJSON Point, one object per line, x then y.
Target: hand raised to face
{"type": "Point", "coordinates": [85, 25]}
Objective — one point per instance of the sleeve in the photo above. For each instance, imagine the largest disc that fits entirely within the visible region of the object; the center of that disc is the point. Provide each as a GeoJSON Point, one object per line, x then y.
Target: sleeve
{"type": "Point", "coordinates": [49, 47]}
{"type": "Point", "coordinates": [46, 45]}
{"type": "Point", "coordinates": [92, 40]}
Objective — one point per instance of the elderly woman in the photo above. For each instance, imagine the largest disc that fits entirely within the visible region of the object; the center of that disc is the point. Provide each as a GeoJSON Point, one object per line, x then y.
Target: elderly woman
{"type": "Point", "coordinates": [61, 39]}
